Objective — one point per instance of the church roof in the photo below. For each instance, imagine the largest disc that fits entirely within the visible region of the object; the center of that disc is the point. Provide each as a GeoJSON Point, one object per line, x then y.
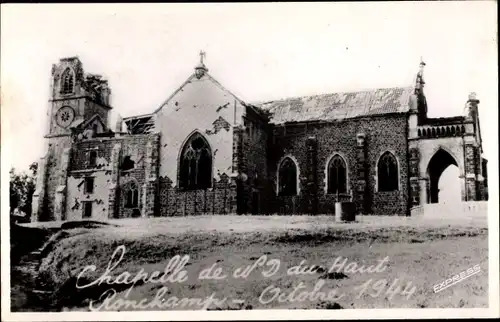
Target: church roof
{"type": "Point", "coordinates": [140, 124]}
{"type": "Point", "coordinates": [338, 106]}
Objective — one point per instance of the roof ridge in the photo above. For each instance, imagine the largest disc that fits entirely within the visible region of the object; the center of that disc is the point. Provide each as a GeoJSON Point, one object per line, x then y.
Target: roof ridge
{"type": "Point", "coordinates": [340, 105]}
{"type": "Point", "coordinates": [331, 93]}
{"type": "Point", "coordinates": [188, 80]}
{"type": "Point", "coordinates": [89, 120]}
{"type": "Point", "coordinates": [165, 102]}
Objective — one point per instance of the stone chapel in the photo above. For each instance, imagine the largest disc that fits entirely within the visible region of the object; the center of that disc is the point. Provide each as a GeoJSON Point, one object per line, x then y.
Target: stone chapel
{"type": "Point", "coordinates": [206, 151]}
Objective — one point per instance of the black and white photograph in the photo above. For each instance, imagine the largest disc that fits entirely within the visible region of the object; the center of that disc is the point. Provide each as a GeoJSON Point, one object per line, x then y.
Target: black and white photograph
{"type": "Point", "coordinates": [283, 160]}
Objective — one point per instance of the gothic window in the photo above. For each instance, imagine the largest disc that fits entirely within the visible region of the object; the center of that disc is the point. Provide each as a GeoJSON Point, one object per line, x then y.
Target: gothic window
{"type": "Point", "coordinates": [387, 171]}
{"type": "Point", "coordinates": [132, 196]}
{"type": "Point", "coordinates": [195, 164]}
{"type": "Point", "coordinates": [337, 175]}
{"type": "Point", "coordinates": [67, 81]}
{"type": "Point", "coordinates": [89, 185]}
{"type": "Point", "coordinates": [287, 178]}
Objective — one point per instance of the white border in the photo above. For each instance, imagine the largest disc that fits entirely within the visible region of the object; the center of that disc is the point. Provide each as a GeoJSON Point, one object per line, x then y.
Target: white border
{"type": "Point", "coordinates": [8, 143]}
{"type": "Point", "coordinates": [349, 314]}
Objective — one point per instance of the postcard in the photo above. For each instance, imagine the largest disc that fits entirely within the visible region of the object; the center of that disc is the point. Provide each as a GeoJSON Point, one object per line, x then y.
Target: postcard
{"type": "Point", "coordinates": [247, 161]}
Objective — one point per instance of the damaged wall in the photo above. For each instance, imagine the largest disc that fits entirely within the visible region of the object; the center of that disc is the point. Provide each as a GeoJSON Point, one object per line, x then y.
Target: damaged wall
{"type": "Point", "coordinates": [54, 176]}
{"type": "Point", "coordinates": [92, 108]}
{"type": "Point", "coordinates": [199, 105]}
{"type": "Point", "coordinates": [83, 167]}
{"type": "Point", "coordinates": [76, 195]}
{"type": "Point", "coordinates": [118, 162]}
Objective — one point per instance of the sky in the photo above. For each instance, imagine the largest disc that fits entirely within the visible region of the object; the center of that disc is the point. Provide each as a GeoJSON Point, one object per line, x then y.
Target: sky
{"type": "Point", "coordinates": [260, 51]}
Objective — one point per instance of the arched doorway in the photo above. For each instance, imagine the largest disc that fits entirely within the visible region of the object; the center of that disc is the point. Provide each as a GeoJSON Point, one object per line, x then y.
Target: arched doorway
{"type": "Point", "coordinates": [450, 190]}
{"type": "Point", "coordinates": [440, 162]}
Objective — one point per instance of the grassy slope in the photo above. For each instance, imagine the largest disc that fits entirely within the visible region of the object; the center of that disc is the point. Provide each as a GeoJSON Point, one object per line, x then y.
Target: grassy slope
{"type": "Point", "coordinates": [423, 254]}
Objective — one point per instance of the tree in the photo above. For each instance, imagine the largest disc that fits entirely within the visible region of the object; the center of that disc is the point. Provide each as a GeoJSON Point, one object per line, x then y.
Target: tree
{"type": "Point", "coordinates": [22, 187]}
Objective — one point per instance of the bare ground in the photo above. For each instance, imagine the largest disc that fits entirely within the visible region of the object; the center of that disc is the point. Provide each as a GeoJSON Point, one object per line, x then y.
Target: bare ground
{"type": "Point", "coordinates": [420, 254]}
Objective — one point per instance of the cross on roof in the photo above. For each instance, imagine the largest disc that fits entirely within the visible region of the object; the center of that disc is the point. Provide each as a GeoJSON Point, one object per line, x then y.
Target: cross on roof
{"type": "Point", "coordinates": [202, 55]}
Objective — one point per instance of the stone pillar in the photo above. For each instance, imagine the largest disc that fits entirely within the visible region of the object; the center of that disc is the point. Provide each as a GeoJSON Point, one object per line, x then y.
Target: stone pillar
{"type": "Point", "coordinates": [470, 169]}
{"type": "Point", "coordinates": [39, 194]}
{"type": "Point", "coordinates": [151, 176]}
{"type": "Point", "coordinates": [114, 182]}
{"type": "Point", "coordinates": [470, 184]}
{"type": "Point", "coordinates": [484, 174]}
{"type": "Point", "coordinates": [311, 188]}
{"type": "Point", "coordinates": [414, 175]}
{"type": "Point", "coordinates": [479, 171]}
{"type": "Point", "coordinates": [480, 187]}
{"type": "Point", "coordinates": [424, 187]}
{"type": "Point", "coordinates": [60, 197]}
{"type": "Point", "coordinates": [238, 169]}
{"type": "Point", "coordinates": [361, 195]}
{"type": "Point", "coordinates": [463, 189]}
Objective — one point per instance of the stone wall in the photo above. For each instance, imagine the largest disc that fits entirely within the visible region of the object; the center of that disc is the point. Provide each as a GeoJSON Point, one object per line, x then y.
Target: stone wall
{"type": "Point", "coordinates": [387, 133]}
{"type": "Point", "coordinates": [250, 153]}
{"type": "Point", "coordinates": [219, 200]}
{"type": "Point", "coordinates": [55, 176]}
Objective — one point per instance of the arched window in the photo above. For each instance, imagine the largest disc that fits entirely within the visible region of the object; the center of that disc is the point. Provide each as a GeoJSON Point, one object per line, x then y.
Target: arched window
{"type": "Point", "coordinates": [196, 164]}
{"type": "Point", "coordinates": [67, 81]}
{"type": "Point", "coordinates": [132, 196]}
{"type": "Point", "coordinates": [387, 171]}
{"type": "Point", "coordinates": [287, 178]}
{"type": "Point", "coordinates": [337, 175]}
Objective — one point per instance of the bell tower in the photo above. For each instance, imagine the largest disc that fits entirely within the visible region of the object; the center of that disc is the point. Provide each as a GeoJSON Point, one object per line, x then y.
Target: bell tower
{"type": "Point", "coordinates": [75, 99]}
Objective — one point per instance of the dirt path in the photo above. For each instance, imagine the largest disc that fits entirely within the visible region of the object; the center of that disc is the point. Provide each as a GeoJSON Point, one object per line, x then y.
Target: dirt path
{"type": "Point", "coordinates": [25, 293]}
